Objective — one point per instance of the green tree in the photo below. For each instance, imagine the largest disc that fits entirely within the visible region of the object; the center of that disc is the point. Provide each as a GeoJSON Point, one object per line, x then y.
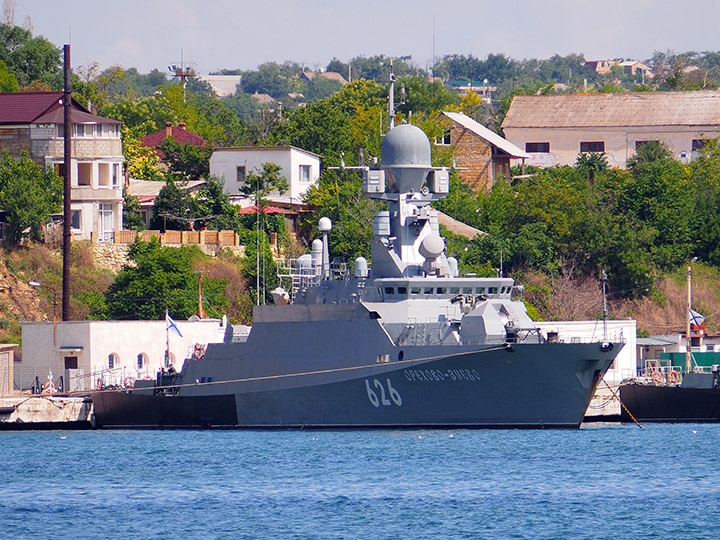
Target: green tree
{"type": "Point", "coordinates": [30, 59]}
{"type": "Point", "coordinates": [174, 206]}
{"type": "Point", "coordinates": [162, 278]}
{"type": "Point", "coordinates": [186, 160]}
{"type": "Point", "coordinates": [28, 195]}
{"type": "Point", "coordinates": [132, 217]}
{"type": "Point", "coordinates": [8, 81]}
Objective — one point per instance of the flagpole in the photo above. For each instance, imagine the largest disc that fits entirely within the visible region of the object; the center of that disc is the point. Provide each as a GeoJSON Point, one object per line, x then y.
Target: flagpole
{"type": "Point", "coordinates": [167, 338]}
{"type": "Point", "coordinates": [688, 346]}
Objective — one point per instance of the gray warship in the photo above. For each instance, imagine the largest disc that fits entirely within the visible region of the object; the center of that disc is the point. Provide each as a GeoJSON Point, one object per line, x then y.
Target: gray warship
{"type": "Point", "coordinates": [404, 342]}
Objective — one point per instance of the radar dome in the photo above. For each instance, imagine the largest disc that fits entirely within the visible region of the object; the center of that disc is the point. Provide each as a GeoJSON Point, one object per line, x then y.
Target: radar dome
{"type": "Point", "coordinates": [406, 145]}
{"type": "Point", "coordinates": [432, 246]}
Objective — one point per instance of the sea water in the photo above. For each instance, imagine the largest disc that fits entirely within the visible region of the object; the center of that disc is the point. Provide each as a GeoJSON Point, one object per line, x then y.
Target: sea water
{"type": "Point", "coordinates": [601, 481]}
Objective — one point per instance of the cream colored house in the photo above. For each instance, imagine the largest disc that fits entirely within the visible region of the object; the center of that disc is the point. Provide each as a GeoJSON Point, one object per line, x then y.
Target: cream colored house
{"type": "Point", "coordinates": [553, 130]}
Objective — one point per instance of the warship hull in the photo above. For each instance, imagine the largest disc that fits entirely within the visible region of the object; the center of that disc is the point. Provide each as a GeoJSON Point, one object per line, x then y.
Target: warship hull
{"type": "Point", "coordinates": [656, 403]}
{"type": "Point", "coordinates": [524, 386]}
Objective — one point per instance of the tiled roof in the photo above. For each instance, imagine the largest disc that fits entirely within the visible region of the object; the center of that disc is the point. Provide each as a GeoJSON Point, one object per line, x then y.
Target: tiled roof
{"type": "Point", "coordinates": [701, 108]}
{"type": "Point", "coordinates": [43, 108]}
{"type": "Point", "coordinates": [490, 136]}
{"type": "Point", "coordinates": [179, 133]}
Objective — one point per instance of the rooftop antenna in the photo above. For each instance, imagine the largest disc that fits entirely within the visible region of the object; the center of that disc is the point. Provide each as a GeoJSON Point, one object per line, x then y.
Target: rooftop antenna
{"type": "Point", "coordinates": [182, 72]}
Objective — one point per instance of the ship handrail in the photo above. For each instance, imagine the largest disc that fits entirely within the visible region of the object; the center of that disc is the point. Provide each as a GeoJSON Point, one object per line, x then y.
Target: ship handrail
{"type": "Point", "coordinates": [316, 372]}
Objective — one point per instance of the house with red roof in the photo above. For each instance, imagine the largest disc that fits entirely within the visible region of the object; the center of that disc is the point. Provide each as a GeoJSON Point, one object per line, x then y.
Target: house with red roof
{"type": "Point", "coordinates": [34, 122]}
{"type": "Point", "coordinates": [179, 133]}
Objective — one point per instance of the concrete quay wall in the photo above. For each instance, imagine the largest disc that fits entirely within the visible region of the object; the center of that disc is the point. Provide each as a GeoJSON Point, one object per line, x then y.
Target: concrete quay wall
{"type": "Point", "coordinates": [45, 412]}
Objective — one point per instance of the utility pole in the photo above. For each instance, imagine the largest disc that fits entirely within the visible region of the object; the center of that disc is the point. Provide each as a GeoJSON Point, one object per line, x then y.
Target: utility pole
{"type": "Point", "coordinates": [688, 347]}
{"type": "Point", "coordinates": [67, 188]}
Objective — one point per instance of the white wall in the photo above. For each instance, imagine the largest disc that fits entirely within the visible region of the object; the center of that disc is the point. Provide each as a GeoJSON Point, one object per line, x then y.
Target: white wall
{"type": "Point", "coordinates": [590, 331]}
{"type": "Point", "coordinates": [224, 163]}
{"type": "Point", "coordinates": [93, 341]}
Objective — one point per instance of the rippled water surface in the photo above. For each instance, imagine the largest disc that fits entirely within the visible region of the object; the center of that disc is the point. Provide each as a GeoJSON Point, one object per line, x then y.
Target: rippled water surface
{"type": "Point", "coordinates": [602, 481]}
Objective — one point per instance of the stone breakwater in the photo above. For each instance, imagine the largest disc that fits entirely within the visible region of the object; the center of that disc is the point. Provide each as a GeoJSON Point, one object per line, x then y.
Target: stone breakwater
{"type": "Point", "coordinates": [46, 412]}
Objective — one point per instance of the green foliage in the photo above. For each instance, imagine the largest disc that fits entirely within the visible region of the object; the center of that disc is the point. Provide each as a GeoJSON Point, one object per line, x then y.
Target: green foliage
{"type": "Point", "coordinates": [261, 183]}
{"type": "Point", "coordinates": [162, 278]}
{"type": "Point", "coordinates": [8, 81]}
{"type": "Point", "coordinates": [30, 59]}
{"type": "Point", "coordinates": [140, 162]}
{"type": "Point", "coordinates": [174, 207]}
{"type": "Point", "coordinates": [338, 196]}
{"type": "Point", "coordinates": [213, 207]}
{"type": "Point", "coordinates": [186, 160]}
{"type": "Point", "coordinates": [650, 152]}
{"type": "Point", "coordinates": [592, 163]}
{"type": "Point", "coordinates": [258, 262]}
{"type": "Point", "coordinates": [132, 218]}
{"type": "Point", "coordinates": [28, 194]}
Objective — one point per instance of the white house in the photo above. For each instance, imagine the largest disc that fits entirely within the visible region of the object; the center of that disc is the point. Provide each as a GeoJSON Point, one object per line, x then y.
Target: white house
{"type": "Point", "coordinates": [555, 129]}
{"type": "Point", "coordinates": [300, 167]}
{"type": "Point", "coordinates": [91, 353]}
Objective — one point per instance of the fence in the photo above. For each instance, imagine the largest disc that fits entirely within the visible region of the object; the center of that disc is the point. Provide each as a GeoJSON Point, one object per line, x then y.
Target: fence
{"type": "Point", "coordinates": [217, 239]}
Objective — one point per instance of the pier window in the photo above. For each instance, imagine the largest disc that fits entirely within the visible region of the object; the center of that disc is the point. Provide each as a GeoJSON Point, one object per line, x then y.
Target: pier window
{"type": "Point", "coordinates": [113, 360]}
{"type": "Point", "coordinates": [481, 290]}
{"type": "Point", "coordinates": [441, 290]}
{"type": "Point", "coordinates": [390, 290]}
{"type": "Point", "coordinates": [414, 290]}
{"type": "Point", "coordinates": [492, 290]}
{"type": "Point", "coordinates": [428, 290]}
{"type": "Point", "coordinates": [467, 290]}
{"type": "Point", "coordinates": [71, 362]}
{"type": "Point", "coordinates": [402, 291]}
{"type": "Point", "coordinates": [454, 290]}
{"type": "Point", "coordinates": [142, 360]}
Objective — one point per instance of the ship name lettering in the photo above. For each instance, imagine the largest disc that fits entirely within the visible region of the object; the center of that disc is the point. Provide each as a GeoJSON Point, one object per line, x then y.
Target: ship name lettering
{"type": "Point", "coordinates": [435, 375]}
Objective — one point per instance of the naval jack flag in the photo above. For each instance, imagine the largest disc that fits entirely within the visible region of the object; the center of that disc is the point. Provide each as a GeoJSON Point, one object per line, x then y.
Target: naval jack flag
{"type": "Point", "coordinates": [169, 323]}
{"type": "Point", "coordinates": [696, 319]}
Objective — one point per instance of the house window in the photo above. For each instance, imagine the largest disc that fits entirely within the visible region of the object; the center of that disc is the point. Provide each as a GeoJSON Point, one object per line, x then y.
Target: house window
{"type": "Point", "coordinates": [698, 144]}
{"type": "Point", "coordinates": [60, 131]}
{"type": "Point", "coordinates": [75, 219]}
{"type": "Point", "coordinates": [594, 146]}
{"type": "Point", "coordinates": [83, 130]}
{"type": "Point", "coordinates": [113, 360]}
{"type": "Point", "coordinates": [639, 144]}
{"type": "Point", "coordinates": [240, 175]}
{"type": "Point", "coordinates": [116, 174]}
{"type": "Point", "coordinates": [305, 174]}
{"type": "Point", "coordinates": [101, 130]}
{"type": "Point", "coordinates": [537, 147]}
{"type": "Point", "coordinates": [104, 174]}
{"type": "Point", "coordinates": [445, 139]}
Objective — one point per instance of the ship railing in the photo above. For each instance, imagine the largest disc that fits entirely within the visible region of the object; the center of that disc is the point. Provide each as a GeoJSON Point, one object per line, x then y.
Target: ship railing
{"type": "Point", "coordinates": [659, 371]}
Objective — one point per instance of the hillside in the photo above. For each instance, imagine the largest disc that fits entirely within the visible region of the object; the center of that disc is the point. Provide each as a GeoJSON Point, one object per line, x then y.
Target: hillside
{"type": "Point", "coordinates": [558, 298]}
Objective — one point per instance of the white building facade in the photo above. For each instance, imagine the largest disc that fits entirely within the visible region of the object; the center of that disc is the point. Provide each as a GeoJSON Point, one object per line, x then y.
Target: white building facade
{"type": "Point", "coordinates": [88, 354]}
{"type": "Point", "coordinates": [300, 167]}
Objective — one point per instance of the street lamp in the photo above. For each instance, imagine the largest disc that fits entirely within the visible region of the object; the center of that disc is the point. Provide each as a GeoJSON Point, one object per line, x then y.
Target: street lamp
{"type": "Point", "coordinates": [37, 284]}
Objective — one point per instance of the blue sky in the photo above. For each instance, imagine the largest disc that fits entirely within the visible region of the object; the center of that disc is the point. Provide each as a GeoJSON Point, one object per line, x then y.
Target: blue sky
{"type": "Point", "coordinates": [241, 34]}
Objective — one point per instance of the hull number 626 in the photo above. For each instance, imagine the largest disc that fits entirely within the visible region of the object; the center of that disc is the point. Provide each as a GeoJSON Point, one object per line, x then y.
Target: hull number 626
{"type": "Point", "coordinates": [381, 396]}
